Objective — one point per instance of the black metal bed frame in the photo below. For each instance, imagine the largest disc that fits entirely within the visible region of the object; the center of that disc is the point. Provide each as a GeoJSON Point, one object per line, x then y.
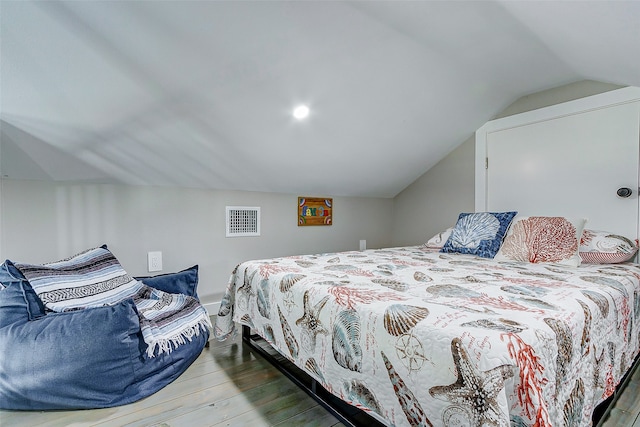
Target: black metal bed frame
{"type": "Point", "coordinates": [604, 409]}
{"type": "Point", "coordinates": [354, 417]}
{"type": "Point", "coordinates": [347, 414]}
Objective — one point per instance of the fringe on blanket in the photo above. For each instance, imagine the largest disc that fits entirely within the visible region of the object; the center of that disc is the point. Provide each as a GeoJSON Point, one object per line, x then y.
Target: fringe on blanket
{"type": "Point", "coordinates": [167, 345]}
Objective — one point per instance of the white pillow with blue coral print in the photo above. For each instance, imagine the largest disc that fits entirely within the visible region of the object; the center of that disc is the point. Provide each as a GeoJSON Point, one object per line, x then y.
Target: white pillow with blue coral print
{"type": "Point", "coordinates": [479, 233]}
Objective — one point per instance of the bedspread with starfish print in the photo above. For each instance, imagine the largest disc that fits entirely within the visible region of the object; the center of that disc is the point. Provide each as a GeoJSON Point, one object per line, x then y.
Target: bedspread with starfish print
{"type": "Point", "coordinates": [421, 338]}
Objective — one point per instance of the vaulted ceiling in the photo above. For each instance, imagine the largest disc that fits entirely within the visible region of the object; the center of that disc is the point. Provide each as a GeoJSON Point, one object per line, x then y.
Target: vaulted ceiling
{"type": "Point", "coordinates": [200, 94]}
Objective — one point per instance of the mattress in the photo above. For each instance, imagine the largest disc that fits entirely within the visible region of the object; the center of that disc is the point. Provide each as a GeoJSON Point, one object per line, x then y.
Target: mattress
{"type": "Point", "coordinates": [418, 337]}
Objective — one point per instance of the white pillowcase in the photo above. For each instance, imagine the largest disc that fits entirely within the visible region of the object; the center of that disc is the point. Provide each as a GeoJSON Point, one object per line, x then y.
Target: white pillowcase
{"type": "Point", "coordinates": [438, 241]}
{"type": "Point", "coordinates": [602, 247]}
{"type": "Point", "coordinates": [540, 239]}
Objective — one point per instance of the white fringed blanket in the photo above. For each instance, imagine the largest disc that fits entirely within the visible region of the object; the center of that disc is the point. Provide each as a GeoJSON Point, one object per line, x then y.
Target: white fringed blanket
{"type": "Point", "coordinates": [95, 278]}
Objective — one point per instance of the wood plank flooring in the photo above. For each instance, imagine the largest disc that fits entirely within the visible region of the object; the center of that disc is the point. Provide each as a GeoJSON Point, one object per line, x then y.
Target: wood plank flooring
{"type": "Point", "coordinates": [228, 385]}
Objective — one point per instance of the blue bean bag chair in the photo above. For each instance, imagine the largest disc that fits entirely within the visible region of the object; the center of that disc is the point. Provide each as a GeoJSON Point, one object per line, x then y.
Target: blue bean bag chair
{"type": "Point", "coordinates": [94, 357]}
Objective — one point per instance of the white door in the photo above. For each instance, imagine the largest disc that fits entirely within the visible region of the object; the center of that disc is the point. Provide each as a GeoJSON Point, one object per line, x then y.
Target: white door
{"type": "Point", "coordinates": [570, 166]}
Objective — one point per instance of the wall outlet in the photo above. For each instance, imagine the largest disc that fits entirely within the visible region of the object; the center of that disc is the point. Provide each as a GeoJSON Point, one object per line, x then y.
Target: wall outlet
{"type": "Point", "coordinates": [363, 245]}
{"type": "Point", "coordinates": [154, 260]}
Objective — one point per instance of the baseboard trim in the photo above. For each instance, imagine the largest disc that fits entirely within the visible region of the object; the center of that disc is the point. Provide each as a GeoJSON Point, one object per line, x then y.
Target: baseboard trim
{"type": "Point", "coordinates": [212, 307]}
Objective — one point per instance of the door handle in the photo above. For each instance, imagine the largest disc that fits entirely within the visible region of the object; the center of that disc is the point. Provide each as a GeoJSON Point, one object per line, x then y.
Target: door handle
{"type": "Point", "coordinates": [624, 192]}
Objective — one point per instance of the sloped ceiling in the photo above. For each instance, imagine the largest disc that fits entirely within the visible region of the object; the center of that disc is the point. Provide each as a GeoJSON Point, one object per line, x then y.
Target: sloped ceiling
{"type": "Point", "coordinates": [199, 94]}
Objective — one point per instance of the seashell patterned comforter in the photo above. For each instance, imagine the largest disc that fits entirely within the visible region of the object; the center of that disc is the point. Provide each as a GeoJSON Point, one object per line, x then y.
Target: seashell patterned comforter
{"type": "Point", "coordinates": [417, 337]}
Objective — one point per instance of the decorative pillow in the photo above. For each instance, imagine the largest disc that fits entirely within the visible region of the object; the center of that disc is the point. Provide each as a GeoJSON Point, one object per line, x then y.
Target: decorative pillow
{"type": "Point", "coordinates": [541, 239]}
{"type": "Point", "coordinates": [438, 241]}
{"type": "Point", "coordinates": [182, 282]}
{"type": "Point", "coordinates": [90, 279]}
{"type": "Point", "coordinates": [14, 283]}
{"type": "Point", "coordinates": [83, 358]}
{"type": "Point", "coordinates": [479, 233]}
{"type": "Point", "coordinates": [13, 306]}
{"type": "Point", "coordinates": [601, 247]}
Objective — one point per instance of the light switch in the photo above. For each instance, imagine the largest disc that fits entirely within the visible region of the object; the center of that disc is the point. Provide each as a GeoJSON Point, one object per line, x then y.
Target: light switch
{"type": "Point", "coordinates": [155, 261]}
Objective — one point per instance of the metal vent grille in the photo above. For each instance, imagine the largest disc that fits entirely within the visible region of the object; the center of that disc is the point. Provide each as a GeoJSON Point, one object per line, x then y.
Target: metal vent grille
{"type": "Point", "coordinates": [243, 221]}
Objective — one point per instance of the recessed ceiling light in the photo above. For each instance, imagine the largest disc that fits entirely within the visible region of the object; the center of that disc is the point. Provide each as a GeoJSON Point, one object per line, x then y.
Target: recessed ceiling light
{"type": "Point", "coordinates": [300, 112]}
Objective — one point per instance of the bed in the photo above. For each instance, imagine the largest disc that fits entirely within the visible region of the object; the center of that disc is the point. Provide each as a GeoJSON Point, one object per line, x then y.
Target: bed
{"type": "Point", "coordinates": [415, 336]}
{"type": "Point", "coordinates": [504, 319]}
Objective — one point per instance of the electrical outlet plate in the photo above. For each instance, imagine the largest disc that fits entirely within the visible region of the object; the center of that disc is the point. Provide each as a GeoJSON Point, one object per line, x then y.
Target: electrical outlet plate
{"type": "Point", "coordinates": [154, 260]}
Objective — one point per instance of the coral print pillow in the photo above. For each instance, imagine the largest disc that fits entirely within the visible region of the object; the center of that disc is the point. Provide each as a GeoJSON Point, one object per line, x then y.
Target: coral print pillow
{"type": "Point", "coordinates": [541, 239]}
{"type": "Point", "coordinates": [479, 233]}
{"type": "Point", "coordinates": [601, 247]}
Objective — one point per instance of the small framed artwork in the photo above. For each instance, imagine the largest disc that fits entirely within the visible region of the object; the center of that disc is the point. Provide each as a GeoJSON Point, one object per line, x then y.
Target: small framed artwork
{"type": "Point", "coordinates": [315, 211]}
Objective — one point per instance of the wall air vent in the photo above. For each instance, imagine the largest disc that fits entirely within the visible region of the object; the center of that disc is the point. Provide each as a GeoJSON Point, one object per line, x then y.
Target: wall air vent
{"type": "Point", "coordinates": [243, 221]}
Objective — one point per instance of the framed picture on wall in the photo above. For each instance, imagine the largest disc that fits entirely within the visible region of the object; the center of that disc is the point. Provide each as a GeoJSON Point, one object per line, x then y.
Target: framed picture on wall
{"type": "Point", "coordinates": [315, 211]}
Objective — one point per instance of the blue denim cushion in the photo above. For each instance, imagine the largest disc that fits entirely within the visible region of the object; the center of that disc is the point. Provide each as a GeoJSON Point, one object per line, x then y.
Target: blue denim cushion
{"type": "Point", "coordinates": [13, 306]}
{"type": "Point", "coordinates": [154, 373]}
{"type": "Point", "coordinates": [91, 358]}
{"type": "Point", "coordinates": [18, 301]}
{"type": "Point", "coordinates": [480, 233]}
{"type": "Point", "coordinates": [76, 359]}
{"type": "Point", "coordinates": [182, 282]}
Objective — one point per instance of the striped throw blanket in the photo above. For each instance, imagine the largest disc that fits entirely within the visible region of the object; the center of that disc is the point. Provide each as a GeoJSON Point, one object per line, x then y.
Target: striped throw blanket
{"type": "Point", "coordinates": [95, 278]}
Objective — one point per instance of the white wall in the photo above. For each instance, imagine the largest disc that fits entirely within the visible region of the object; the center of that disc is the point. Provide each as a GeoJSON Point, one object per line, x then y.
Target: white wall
{"type": "Point", "coordinates": [44, 221]}
{"type": "Point", "coordinates": [433, 202]}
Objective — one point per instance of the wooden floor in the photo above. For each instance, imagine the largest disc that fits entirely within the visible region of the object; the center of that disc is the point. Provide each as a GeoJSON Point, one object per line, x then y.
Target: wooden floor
{"type": "Point", "coordinates": [229, 385]}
